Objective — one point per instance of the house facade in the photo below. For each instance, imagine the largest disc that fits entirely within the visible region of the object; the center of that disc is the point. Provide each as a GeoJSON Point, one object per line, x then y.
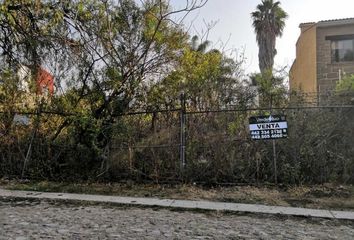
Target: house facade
{"type": "Point", "coordinates": [324, 55]}
{"type": "Point", "coordinates": [44, 81]}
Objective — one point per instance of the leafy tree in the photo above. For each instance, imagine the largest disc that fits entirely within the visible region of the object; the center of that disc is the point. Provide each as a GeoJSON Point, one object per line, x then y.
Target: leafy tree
{"type": "Point", "coordinates": [198, 47]}
{"type": "Point", "coordinates": [345, 90]}
{"type": "Point", "coordinates": [129, 44]}
{"type": "Point", "coordinates": [209, 78]}
{"type": "Point", "coordinates": [268, 23]}
{"type": "Point", "coordinates": [347, 84]}
{"type": "Point", "coordinates": [103, 53]}
{"type": "Point", "coordinates": [270, 89]}
{"type": "Point", "coordinates": [27, 29]}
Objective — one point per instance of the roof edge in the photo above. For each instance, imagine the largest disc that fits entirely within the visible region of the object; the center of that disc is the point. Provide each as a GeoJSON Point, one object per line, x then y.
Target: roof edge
{"type": "Point", "coordinates": [328, 23]}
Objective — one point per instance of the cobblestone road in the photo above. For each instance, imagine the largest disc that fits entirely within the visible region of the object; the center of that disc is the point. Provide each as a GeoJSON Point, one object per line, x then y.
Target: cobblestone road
{"type": "Point", "coordinates": [42, 220]}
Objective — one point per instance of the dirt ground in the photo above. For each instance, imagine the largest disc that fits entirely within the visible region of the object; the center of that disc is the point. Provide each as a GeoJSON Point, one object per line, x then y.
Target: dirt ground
{"type": "Point", "coordinates": [327, 196]}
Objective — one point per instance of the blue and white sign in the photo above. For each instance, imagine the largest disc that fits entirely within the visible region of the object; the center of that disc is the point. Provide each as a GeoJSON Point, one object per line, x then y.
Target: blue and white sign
{"type": "Point", "coordinates": [268, 127]}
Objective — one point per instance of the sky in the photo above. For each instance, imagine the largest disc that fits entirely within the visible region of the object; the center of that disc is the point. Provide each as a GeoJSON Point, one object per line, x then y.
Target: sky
{"type": "Point", "coordinates": [234, 25]}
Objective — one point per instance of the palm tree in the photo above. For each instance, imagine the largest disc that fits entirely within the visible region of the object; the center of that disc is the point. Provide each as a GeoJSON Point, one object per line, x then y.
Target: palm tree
{"type": "Point", "coordinates": [268, 23]}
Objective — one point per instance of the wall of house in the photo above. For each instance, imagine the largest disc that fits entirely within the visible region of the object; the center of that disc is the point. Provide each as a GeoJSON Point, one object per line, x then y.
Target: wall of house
{"type": "Point", "coordinates": [328, 72]}
{"type": "Point", "coordinates": [303, 72]}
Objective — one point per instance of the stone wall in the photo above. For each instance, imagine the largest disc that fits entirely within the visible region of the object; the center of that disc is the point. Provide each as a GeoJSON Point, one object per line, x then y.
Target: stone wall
{"type": "Point", "coordinates": [328, 72]}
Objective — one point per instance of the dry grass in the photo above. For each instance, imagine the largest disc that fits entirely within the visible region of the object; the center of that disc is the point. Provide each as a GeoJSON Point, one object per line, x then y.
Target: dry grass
{"type": "Point", "coordinates": [327, 196]}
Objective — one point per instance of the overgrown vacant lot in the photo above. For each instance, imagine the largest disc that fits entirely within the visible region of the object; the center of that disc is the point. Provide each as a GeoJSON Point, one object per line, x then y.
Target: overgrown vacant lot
{"type": "Point", "coordinates": [326, 196]}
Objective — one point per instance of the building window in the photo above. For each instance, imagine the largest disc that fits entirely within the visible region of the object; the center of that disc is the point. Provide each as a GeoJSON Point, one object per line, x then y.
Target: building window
{"type": "Point", "coordinates": [342, 50]}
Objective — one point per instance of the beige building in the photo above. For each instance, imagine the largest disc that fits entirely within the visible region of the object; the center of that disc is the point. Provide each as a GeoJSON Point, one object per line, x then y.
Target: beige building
{"type": "Point", "coordinates": [324, 54]}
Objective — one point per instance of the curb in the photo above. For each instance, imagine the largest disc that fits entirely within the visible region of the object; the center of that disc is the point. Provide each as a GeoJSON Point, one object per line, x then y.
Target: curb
{"type": "Point", "coordinates": [181, 204]}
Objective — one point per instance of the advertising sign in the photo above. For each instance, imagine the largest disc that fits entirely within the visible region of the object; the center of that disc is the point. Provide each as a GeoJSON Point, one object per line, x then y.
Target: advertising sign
{"type": "Point", "coordinates": [268, 127]}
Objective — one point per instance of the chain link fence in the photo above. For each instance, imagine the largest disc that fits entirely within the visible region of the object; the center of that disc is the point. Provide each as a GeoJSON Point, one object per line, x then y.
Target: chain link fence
{"type": "Point", "coordinates": [209, 146]}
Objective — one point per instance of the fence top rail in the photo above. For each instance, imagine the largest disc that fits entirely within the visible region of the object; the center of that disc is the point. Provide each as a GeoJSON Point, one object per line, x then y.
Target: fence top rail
{"type": "Point", "coordinates": [146, 112]}
{"type": "Point", "coordinates": [67, 114]}
{"type": "Point", "coordinates": [273, 108]}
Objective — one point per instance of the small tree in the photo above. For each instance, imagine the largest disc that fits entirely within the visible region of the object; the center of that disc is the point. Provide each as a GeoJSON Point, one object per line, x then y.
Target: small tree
{"type": "Point", "coordinates": [270, 89]}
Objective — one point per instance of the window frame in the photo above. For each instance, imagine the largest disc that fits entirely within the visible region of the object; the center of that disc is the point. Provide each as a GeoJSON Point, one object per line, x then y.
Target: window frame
{"type": "Point", "coordinates": [338, 38]}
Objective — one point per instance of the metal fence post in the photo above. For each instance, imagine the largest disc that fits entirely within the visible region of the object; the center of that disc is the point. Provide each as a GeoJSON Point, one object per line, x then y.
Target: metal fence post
{"type": "Point", "coordinates": [34, 132]}
{"type": "Point", "coordinates": [274, 148]}
{"type": "Point", "coordinates": [183, 132]}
